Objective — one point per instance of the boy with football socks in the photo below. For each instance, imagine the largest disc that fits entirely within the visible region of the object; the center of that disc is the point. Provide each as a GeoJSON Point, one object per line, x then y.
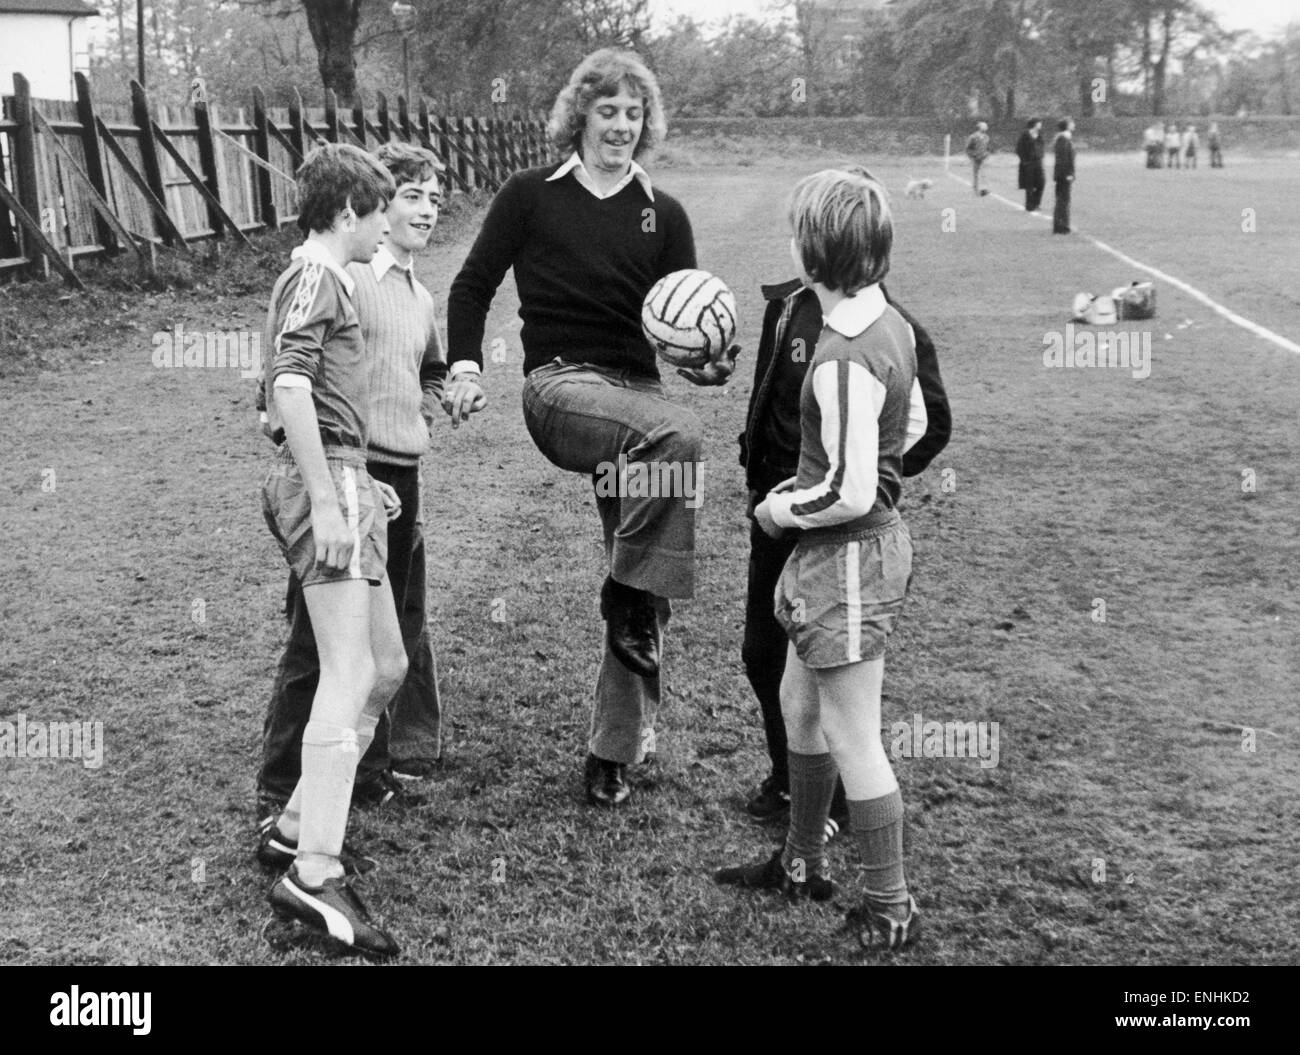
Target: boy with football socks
{"type": "Point", "coordinates": [843, 587]}
{"type": "Point", "coordinates": [769, 452]}
{"type": "Point", "coordinates": [330, 517]}
{"type": "Point", "coordinates": [407, 367]}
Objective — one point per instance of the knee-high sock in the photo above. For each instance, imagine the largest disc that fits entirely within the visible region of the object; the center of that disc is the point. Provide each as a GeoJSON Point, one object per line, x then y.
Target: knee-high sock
{"type": "Point", "coordinates": [329, 766]}
{"type": "Point", "coordinates": [290, 822]}
{"type": "Point", "coordinates": [812, 783]}
{"type": "Point", "coordinates": [876, 826]}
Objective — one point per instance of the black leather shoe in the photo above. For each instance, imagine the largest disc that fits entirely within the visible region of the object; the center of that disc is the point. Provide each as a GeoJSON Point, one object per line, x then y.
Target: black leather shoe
{"type": "Point", "coordinates": [771, 801]}
{"type": "Point", "coordinates": [771, 875]}
{"type": "Point", "coordinates": [632, 626]}
{"type": "Point", "coordinates": [606, 782]}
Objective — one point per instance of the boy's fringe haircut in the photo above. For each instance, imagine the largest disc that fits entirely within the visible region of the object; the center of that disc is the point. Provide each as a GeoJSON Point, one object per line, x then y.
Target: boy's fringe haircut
{"type": "Point", "coordinates": [409, 164]}
{"type": "Point", "coordinates": [335, 176]}
{"type": "Point", "coordinates": [843, 228]}
{"type": "Point", "coordinates": [601, 74]}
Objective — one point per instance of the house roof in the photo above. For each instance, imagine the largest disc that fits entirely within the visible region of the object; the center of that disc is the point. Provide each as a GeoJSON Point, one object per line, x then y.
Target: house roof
{"type": "Point", "coordinates": [68, 8]}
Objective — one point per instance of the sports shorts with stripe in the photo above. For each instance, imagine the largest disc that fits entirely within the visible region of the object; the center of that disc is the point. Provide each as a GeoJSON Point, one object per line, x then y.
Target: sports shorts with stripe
{"type": "Point", "coordinates": [286, 505]}
{"type": "Point", "coordinates": [840, 595]}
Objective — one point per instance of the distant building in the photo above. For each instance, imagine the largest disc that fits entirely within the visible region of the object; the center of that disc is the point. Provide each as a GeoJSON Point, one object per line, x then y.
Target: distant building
{"type": "Point", "coordinates": [47, 41]}
{"type": "Point", "coordinates": [843, 33]}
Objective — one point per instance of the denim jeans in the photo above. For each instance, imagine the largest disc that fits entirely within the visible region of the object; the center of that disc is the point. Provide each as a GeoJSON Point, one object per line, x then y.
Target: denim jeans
{"type": "Point", "coordinates": [584, 419]}
{"type": "Point", "coordinates": [412, 727]}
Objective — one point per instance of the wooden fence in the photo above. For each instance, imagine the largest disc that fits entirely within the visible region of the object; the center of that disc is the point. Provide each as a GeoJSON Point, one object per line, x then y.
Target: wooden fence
{"type": "Point", "coordinates": [79, 179]}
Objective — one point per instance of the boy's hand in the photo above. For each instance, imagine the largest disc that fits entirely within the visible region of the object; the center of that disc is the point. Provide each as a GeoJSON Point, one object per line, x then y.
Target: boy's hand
{"type": "Point", "coordinates": [463, 397]}
{"type": "Point", "coordinates": [334, 543]}
{"type": "Point", "coordinates": [392, 504]}
{"type": "Point", "coordinates": [763, 516]}
{"type": "Point", "coordinates": [717, 371]}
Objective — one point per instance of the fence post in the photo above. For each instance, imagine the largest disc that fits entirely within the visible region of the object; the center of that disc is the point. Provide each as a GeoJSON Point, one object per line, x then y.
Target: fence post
{"type": "Point", "coordinates": [143, 117]}
{"type": "Point", "coordinates": [94, 159]}
{"type": "Point", "coordinates": [298, 125]}
{"type": "Point", "coordinates": [359, 120]}
{"type": "Point", "coordinates": [208, 164]}
{"type": "Point", "coordinates": [262, 148]}
{"type": "Point", "coordinates": [29, 195]}
{"type": "Point", "coordinates": [404, 118]}
{"type": "Point", "coordinates": [331, 116]}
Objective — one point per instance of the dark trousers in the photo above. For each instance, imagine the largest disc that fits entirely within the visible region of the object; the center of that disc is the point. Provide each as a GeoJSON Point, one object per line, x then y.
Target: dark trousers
{"type": "Point", "coordinates": [764, 647]}
{"type": "Point", "coordinates": [412, 726]}
{"type": "Point", "coordinates": [1034, 192]}
{"type": "Point", "coordinates": [1061, 214]}
{"type": "Point", "coordinates": [1216, 158]}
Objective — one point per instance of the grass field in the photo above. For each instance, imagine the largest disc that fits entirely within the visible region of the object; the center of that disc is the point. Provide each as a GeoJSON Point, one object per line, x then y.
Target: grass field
{"type": "Point", "coordinates": [1144, 807]}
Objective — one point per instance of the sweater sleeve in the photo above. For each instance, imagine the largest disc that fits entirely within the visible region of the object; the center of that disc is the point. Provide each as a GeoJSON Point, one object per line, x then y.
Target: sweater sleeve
{"type": "Point", "coordinates": [850, 399]}
{"type": "Point", "coordinates": [498, 243]}
{"type": "Point", "coordinates": [678, 253]}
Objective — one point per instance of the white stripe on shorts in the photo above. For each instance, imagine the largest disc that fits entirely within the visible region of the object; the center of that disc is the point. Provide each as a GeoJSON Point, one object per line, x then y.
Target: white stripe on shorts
{"type": "Point", "coordinates": [853, 587]}
{"type": "Point", "coordinates": [353, 515]}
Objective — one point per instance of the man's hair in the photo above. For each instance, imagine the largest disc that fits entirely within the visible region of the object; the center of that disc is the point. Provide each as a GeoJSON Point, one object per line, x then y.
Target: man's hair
{"type": "Point", "coordinates": [336, 176]}
{"type": "Point", "coordinates": [842, 228]}
{"type": "Point", "coordinates": [1033, 121]}
{"type": "Point", "coordinates": [601, 74]}
{"type": "Point", "coordinates": [409, 164]}
{"type": "Point", "coordinates": [1063, 125]}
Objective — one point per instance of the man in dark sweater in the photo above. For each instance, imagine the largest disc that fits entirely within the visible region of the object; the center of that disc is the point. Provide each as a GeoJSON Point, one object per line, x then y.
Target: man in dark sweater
{"type": "Point", "coordinates": [1063, 175]}
{"type": "Point", "coordinates": [769, 451]}
{"type": "Point", "coordinates": [587, 239]}
{"type": "Point", "coordinates": [1029, 149]}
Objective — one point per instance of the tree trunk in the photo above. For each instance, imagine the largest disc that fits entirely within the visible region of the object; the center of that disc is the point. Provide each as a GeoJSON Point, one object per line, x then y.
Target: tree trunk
{"type": "Point", "coordinates": [333, 25]}
{"type": "Point", "coordinates": [1161, 66]}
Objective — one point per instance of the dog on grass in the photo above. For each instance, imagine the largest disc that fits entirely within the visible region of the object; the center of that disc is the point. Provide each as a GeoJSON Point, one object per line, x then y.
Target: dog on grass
{"type": "Point", "coordinates": [916, 188]}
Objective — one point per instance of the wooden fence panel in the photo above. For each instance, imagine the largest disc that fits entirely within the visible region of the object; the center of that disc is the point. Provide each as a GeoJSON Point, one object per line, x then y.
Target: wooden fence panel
{"type": "Point", "coordinates": [82, 173]}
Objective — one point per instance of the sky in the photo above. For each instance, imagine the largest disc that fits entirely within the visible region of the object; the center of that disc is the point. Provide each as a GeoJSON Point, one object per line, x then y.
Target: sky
{"type": "Point", "coordinates": [1262, 16]}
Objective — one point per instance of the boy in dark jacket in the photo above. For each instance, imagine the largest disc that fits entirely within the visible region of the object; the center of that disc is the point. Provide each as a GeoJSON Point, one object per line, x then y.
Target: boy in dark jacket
{"type": "Point", "coordinates": [769, 452]}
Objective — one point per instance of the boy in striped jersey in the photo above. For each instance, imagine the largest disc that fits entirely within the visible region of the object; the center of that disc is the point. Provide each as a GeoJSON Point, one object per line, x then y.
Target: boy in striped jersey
{"type": "Point", "coordinates": [329, 517]}
{"type": "Point", "coordinates": [861, 408]}
{"type": "Point", "coordinates": [407, 367]}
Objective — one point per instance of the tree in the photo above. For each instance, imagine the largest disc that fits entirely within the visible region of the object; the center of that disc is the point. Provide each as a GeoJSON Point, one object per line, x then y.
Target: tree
{"type": "Point", "coordinates": [333, 25]}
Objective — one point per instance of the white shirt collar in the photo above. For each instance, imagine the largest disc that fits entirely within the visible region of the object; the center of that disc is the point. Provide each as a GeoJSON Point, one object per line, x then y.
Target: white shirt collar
{"type": "Point", "coordinates": [318, 254]}
{"type": "Point", "coordinates": [854, 314]}
{"type": "Point", "coordinates": [580, 173]}
{"type": "Point", "coordinates": [384, 260]}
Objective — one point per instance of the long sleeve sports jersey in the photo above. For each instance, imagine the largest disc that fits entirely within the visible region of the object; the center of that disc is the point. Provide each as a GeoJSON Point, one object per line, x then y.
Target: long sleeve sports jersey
{"type": "Point", "coordinates": [861, 408]}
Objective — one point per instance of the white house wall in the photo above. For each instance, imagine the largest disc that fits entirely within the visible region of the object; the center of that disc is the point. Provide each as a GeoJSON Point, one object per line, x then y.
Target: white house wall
{"type": "Point", "coordinates": [46, 49]}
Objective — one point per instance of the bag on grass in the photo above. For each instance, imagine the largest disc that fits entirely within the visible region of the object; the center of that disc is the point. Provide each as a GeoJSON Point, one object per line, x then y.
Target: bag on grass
{"type": "Point", "coordinates": [1136, 301]}
{"type": "Point", "coordinates": [1095, 311]}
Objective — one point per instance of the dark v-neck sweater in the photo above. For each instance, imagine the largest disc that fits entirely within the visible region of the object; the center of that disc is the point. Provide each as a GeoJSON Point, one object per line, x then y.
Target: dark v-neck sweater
{"type": "Point", "coordinates": [582, 264]}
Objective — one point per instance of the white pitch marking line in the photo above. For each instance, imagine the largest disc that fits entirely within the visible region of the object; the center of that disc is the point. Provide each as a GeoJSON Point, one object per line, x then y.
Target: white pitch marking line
{"type": "Point", "coordinates": [1191, 291]}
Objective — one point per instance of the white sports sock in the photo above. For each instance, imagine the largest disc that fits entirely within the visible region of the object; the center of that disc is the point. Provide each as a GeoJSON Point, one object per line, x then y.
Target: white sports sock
{"type": "Point", "coordinates": [329, 767]}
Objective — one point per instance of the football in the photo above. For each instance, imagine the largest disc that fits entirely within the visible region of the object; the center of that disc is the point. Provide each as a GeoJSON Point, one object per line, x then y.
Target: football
{"type": "Point", "coordinates": [688, 316]}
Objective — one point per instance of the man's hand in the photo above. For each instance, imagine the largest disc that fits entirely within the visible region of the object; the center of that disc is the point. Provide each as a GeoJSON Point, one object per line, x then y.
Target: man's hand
{"type": "Point", "coordinates": [717, 371]}
{"type": "Point", "coordinates": [763, 517]}
{"type": "Point", "coordinates": [330, 532]}
{"type": "Point", "coordinates": [463, 397]}
{"type": "Point", "coordinates": [392, 504]}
